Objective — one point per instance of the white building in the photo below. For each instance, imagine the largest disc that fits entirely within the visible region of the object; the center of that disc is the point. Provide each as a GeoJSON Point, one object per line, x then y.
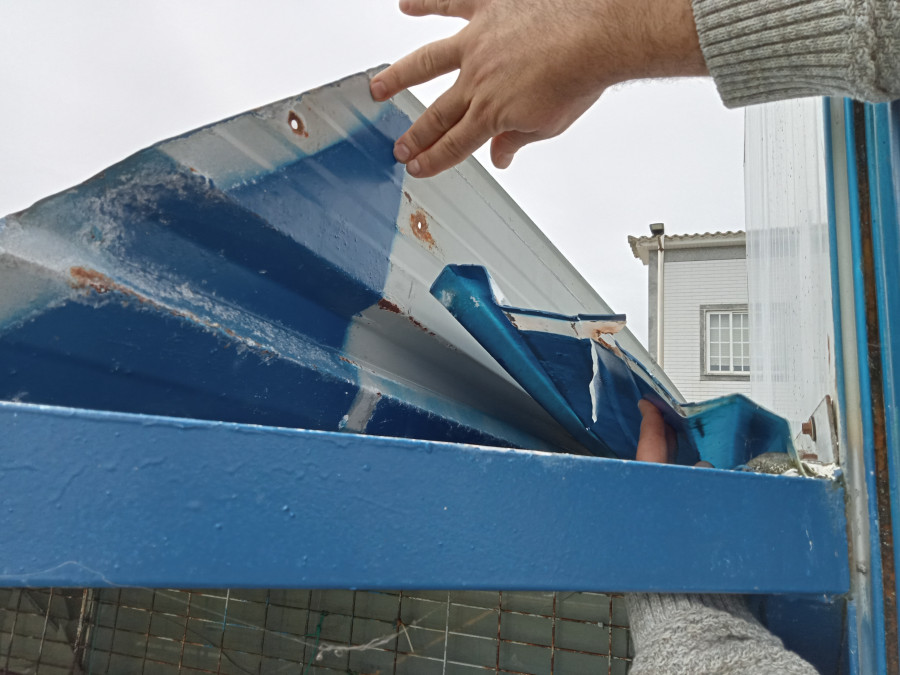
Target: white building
{"type": "Point", "coordinates": [705, 327]}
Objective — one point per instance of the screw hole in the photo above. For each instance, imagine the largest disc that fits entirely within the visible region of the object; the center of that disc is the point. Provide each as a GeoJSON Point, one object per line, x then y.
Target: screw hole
{"type": "Point", "coordinates": [297, 125]}
{"type": "Point", "coordinates": [419, 225]}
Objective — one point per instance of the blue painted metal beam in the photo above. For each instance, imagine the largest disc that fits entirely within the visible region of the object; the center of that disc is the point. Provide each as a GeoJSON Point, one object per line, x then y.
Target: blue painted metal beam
{"type": "Point", "coordinates": [95, 498]}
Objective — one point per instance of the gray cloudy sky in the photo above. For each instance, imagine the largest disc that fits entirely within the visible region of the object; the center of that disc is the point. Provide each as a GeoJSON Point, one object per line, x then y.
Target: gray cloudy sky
{"type": "Point", "coordinates": [85, 84]}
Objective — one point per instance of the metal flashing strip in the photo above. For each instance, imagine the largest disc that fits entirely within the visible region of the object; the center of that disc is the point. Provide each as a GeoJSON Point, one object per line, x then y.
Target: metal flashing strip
{"type": "Point", "coordinates": [111, 499]}
{"type": "Point", "coordinates": [574, 368]}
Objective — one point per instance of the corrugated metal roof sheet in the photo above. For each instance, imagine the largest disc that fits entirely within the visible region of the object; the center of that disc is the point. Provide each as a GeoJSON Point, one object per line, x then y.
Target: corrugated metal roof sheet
{"type": "Point", "coordinates": [274, 268]}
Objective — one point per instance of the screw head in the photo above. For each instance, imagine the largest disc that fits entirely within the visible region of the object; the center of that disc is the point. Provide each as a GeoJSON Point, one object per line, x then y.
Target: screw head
{"type": "Point", "coordinates": [809, 428]}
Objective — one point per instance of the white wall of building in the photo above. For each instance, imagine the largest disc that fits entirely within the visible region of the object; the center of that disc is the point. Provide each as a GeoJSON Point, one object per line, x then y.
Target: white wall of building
{"type": "Point", "coordinates": [688, 285]}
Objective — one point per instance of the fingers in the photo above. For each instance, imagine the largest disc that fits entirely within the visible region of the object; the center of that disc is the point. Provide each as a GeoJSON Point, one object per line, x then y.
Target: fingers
{"type": "Point", "coordinates": [657, 442]}
{"type": "Point", "coordinates": [450, 149]}
{"type": "Point", "coordinates": [439, 118]}
{"type": "Point", "coordinates": [652, 444]}
{"type": "Point", "coordinates": [506, 145]}
{"type": "Point", "coordinates": [461, 8]}
{"type": "Point", "coordinates": [424, 64]}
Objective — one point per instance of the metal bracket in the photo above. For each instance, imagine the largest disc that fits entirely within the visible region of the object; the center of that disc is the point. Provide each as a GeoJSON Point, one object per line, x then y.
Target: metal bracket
{"type": "Point", "coordinates": [818, 441]}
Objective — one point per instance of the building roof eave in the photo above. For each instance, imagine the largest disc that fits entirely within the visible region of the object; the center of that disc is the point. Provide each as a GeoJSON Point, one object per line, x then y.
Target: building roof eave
{"type": "Point", "coordinates": [641, 246]}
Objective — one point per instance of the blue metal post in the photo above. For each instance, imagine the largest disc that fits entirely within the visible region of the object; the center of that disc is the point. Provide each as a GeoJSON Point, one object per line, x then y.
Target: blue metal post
{"type": "Point", "coordinates": [882, 124]}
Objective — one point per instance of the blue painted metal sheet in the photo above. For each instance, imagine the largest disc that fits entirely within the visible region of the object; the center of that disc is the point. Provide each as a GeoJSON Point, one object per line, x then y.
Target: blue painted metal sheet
{"type": "Point", "coordinates": [573, 366]}
{"type": "Point", "coordinates": [95, 498]}
{"type": "Point", "coordinates": [273, 268]}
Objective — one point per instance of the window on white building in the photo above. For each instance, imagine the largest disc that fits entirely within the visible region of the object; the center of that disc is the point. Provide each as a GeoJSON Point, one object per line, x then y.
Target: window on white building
{"type": "Point", "coordinates": [727, 341]}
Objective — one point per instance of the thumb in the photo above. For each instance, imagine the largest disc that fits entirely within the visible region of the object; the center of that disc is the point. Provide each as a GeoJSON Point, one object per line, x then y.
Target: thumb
{"type": "Point", "coordinates": [652, 445]}
{"type": "Point", "coordinates": [504, 146]}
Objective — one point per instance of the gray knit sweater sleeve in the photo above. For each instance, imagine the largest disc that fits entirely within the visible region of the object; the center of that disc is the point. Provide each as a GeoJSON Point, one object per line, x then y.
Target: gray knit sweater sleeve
{"type": "Point", "coordinates": [767, 50]}
{"type": "Point", "coordinates": [704, 635]}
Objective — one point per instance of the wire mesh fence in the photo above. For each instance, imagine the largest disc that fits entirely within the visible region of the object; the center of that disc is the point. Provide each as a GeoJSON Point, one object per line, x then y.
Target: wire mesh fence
{"type": "Point", "coordinates": [311, 632]}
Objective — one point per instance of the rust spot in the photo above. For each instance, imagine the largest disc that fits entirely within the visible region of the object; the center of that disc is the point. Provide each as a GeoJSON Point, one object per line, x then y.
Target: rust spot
{"type": "Point", "coordinates": [193, 170]}
{"type": "Point", "coordinates": [406, 194]}
{"type": "Point", "coordinates": [417, 324]}
{"type": "Point", "coordinates": [346, 360]}
{"type": "Point", "coordinates": [384, 303]}
{"type": "Point", "coordinates": [610, 348]}
{"type": "Point", "coordinates": [297, 125]}
{"type": "Point", "coordinates": [418, 223]}
{"type": "Point", "coordinates": [85, 278]}
{"type": "Point", "coordinates": [598, 332]}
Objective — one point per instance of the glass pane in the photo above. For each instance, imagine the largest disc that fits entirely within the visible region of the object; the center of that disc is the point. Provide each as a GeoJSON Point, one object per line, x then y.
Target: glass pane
{"type": "Point", "coordinates": [713, 321]}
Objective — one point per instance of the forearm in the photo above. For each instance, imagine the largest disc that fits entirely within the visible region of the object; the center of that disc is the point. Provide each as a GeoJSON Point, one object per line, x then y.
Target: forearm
{"type": "Point", "coordinates": [764, 51]}
{"type": "Point", "coordinates": [704, 633]}
{"type": "Point", "coordinates": [651, 39]}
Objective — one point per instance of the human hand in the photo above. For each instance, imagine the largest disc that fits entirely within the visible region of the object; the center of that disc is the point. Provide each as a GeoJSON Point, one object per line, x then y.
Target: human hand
{"type": "Point", "coordinates": [657, 442]}
{"type": "Point", "coordinates": [529, 68]}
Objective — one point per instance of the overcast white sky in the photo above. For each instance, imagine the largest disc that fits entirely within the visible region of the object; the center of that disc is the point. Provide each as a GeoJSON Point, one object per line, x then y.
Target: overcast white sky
{"type": "Point", "coordinates": [85, 84]}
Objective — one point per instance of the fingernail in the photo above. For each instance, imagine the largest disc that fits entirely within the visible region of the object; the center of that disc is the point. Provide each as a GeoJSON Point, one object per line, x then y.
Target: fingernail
{"type": "Point", "coordinates": [401, 152]}
{"type": "Point", "coordinates": [413, 168]}
{"type": "Point", "coordinates": [504, 160]}
{"type": "Point", "coordinates": [405, 5]}
{"type": "Point", "coordinates": [379, 91]}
